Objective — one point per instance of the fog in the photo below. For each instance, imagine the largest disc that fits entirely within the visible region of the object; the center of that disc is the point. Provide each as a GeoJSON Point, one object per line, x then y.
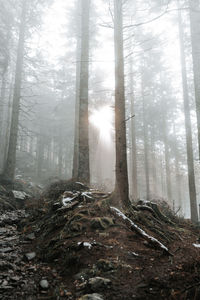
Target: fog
{"type": "Point", "coordinates": [50, 65]}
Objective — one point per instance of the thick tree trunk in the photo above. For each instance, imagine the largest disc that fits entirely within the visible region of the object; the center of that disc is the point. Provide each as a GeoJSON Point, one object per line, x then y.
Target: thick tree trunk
{"type": "Point", "coordinates": [9, 171]}
{"type": "Point", "coordinates": [195, 39]}
{"type": "Point", "coordinates": [122, 186]}
{"type": "Point", "coordinates": [76, 122]}
{"type": "Point", "coordinates": [188, 129]}
{"type": "Point", "coordinates": [84, 165]}
{"type": "Point", "coordinates": [133, 140]}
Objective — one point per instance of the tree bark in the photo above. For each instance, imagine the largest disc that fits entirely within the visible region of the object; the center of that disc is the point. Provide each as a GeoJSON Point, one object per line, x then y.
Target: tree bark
{"type": "Point", "coordinates": [146, 145]}
{"type": "Point", "coordinates": [133, 140]}
{"type": "Point", "coordinates": [9, 171]}
{"type": "Point", "coordinates": [84, 165]}
{"type": "Point", "coordinates": [76, 121]}
{"type": "Point", "coordinates": [177, 170]}
{"type": "Point", "coordinates": [167, 160]}
{"type": "Point", "coordinates": [122, 185]}
{"type": "Point", "coordinates": [188, 129]}
{"type": "Point", "coordinates": [195, 40]}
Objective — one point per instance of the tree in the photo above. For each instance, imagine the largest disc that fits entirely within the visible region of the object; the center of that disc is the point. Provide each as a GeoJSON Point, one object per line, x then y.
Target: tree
{"type": "Point", "coordinates": [146, 141]}
{"type": "Point", "coordinates": [76, 127]}
{"type": "Point", "coordinates": [122, 185]}
{"type": "Point", "coordinates": [188, 129]}
{"type": "Point", "coordinates": [83, 134]}
{"type": "Point", "coordinates": [133, 139]}
{"type": "Point", "coordinates": [195, 40]}
{"type": "Point", "coordinates": [9, 170]}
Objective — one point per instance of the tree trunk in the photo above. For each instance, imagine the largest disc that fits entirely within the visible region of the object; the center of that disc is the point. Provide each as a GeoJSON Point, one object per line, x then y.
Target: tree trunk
{"type": "Point", "coordinates": [146, 146]}
{"type": "Point", "coordinates": [40, 156]}
{"type": "Point", "coordinates": [177, 170]}
{"type": "Point", "coordinates": [188, 129]}
{"type": "Point", "coordinates": [122, 186]}
{"type": "Point", "coordinates": [167, 160]}
{"type": "Point", "coordinates": [2, 119]}
{"type": "Point", "coordinates": [153, 163]}
{"type": "Point", "coordinates": [195, 40]}
{"type": "Point", "coordinates": [76, 121]}
{"type": "Point", "coordinates": [84, 165]}
{"type": "Point", "coordinates": [133, 140]}
{"type": "Point", "coordinates": [9, 171]}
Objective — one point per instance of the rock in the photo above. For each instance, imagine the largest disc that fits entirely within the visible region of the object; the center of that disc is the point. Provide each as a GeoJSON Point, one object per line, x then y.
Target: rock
{"type": "Point", "coordinates": [99, 283]}
{"type": "Point", "coordinates": [30, 255]}
{"type": "Point", "coordinates": [94, 296]}
{"type": "Point", "coordinates": [44, 284]}
{"type": "Point", "coordinates": [6, 250]}
{"type": "Point", "coordinates": [30, 236]}
{"type": "Point", "coordinates": [19, 195]}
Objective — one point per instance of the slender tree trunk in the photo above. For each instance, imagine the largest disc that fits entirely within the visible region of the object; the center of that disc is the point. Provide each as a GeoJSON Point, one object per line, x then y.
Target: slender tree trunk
{"type": "Point", "coordinates": [9, 171]}
{"type": "Point", "coordinates": [167, 160]}
{"type": "Point", "coordinates": [122, 186]}
{"type": "Point", "coordinates": [146, 147]}
{"type": "Point", "coordinates": [2, 119]}
{"type": "Point", "coordinates": [84, 165]}
{"type": "Point", "coordinates": [153, 163]}
{"type": "Point", "coordinates": [133, 139]}
{"type": "Point", "coordinates": [188, 129]}
{"type": "Point", "coordinates": [195, 39]}
{"type": "Point", "coordinates": [177, 170]}
{"type": "Point", "coordinates": [40, 156]}
{"type": "Point", "coordinates": [60, 153]}
{"type": "Point", "coordinates": [76, 122]}
{"type": "Point", "coordinates": [2, 104]}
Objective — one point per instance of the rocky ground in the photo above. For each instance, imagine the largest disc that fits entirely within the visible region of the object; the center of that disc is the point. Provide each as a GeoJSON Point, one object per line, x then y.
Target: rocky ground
{"type": "Point", "coordinates": [70, 244]}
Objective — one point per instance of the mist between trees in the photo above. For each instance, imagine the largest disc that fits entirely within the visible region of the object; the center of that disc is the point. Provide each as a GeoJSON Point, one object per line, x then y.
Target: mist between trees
{"type": "Point", "coordinates": [105, 92]}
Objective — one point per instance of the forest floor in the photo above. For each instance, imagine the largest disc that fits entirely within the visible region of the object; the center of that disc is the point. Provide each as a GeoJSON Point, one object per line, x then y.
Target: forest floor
{"type": "Point", "coordinates": [70, 244]}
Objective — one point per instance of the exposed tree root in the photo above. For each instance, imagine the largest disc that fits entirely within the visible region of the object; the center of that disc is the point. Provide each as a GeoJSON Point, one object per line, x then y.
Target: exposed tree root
{"type": "Point", "coordinates": [156, 211]}
{"type": "Point", "coordinates": [140, 231]}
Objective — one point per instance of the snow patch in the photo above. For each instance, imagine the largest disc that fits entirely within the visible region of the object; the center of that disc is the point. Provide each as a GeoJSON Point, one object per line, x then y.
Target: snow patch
{"type": "Point", "coordinates": [88, 195]}
{"type": "Point", "coordinates": [65, 201]}
{"type": "Point", "coordinates": [85, 244]}
{"type": "Point", "coordinates": [80, 183]}
{"type": "Point", "coordinates": [196, 245]}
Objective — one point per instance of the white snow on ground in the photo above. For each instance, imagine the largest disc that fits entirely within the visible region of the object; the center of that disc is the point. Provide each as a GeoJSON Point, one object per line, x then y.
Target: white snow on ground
{"type": "Point", "coordinates": [196, 245]}
{"type": "Point", "coordinates": [86, 244]}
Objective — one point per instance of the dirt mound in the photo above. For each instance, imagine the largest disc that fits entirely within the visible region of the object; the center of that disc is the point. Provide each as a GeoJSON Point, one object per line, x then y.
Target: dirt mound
{"type": "Point", "coordinates": [99, 252]}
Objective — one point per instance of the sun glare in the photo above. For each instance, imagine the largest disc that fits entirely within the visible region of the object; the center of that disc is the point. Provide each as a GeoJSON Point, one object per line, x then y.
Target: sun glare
{"type": "Point", "coordinates": [102, 119]}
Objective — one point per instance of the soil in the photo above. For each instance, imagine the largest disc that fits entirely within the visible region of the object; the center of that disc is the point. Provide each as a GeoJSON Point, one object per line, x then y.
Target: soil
{"type": "Point", "coordinates": [82, 247]}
